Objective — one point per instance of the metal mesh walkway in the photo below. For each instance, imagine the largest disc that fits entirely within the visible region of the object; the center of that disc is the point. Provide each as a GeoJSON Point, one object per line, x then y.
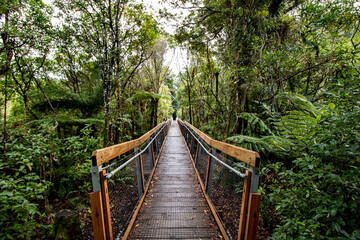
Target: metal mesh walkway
{"type": "Point", "coordinates": [174, 206]}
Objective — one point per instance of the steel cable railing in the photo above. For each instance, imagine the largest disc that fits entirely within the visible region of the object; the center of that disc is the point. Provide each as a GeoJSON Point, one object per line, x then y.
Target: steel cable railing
{"type": "Point", "coordinates": [222, 180]}
{"type": "Point", "coordinates": [119, 184]}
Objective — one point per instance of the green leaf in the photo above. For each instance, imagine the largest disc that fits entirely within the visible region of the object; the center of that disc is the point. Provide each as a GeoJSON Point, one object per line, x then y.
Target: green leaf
{"type": "Point", "coordinates": [331, 106]}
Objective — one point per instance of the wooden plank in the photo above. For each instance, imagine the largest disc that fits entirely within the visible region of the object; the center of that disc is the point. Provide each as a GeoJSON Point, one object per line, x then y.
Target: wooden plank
{"type": "Point", "coordinates": [103, 155]}
{"type": "Point", "coordinates": [106, 205]}
{"type": "Point", "coordinates": [97, 215]}
{"type": "Point", "coordinates": [183, 218]}
{"type": "Point", "coordinates": [253, 216]}
{"type": "Point", "coordinates": [244, 206]}
{"type": "Point", "coordinates": [242, 154]}
{"type": "Point", "coordinates": [134, 216]}
{"type": "Point", "coordinates": [211, 206]}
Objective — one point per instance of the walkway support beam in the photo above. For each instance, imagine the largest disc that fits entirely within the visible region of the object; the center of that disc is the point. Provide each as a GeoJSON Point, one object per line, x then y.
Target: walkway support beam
{"type": "Point", "coordinates": [106, 205]}
{"type": "Point", "coordinates": [97, 215]}
{"type": "Point", "coordinates": [253, 216]}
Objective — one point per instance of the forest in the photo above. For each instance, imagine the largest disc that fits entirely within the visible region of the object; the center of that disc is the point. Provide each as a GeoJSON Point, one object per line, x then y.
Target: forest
{"type": "Point", "coordinates": [280, 77]}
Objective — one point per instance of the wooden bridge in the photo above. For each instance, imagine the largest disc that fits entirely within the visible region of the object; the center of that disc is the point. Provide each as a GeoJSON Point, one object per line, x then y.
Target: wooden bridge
{"type": "Point", "coordinates": [175, 182]}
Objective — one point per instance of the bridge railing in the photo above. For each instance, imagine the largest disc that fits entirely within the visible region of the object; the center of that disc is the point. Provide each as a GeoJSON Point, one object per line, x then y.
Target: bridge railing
{"type": "Point", "coordinates": [229, 177]}
{"type": "Point", "coordinates": [120, 177]}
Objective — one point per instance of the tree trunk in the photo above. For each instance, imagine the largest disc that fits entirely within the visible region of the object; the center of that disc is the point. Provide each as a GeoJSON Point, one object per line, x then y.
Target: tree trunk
{"type": "Point", "coordinates": [67, 225]}
{"type": "Point", "coordinates": [107, 101]}
{"type": "Point", "coordinates": [216, 84]}
{"type": "Point", "coordinates": [189, 99]}
{"type": "Point", "coordinates": [152, 114]}
{"type": "Point", "coordinates": [49, 102]}
{"type": "Point", "coordinates": [118, 125]}
{"type": "Point", "coordinates": [26, 103]}
{"type": "Point", "coordinates": [9, 48]}
{"type": "Point", "coordinates": [5, 112]}
{"type": "Point", "coordinates": [156, 105]}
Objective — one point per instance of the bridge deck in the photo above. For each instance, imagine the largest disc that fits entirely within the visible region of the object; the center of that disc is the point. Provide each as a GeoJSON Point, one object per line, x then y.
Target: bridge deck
{"type": "Point", "coordinates": [174, 206]}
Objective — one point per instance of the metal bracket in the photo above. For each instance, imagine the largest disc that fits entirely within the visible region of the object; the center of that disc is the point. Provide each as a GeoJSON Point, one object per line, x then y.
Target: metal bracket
{"type": "Point", "coordinates": [95, 176]}
{"type": "Point", "coordinates": [255, 176]}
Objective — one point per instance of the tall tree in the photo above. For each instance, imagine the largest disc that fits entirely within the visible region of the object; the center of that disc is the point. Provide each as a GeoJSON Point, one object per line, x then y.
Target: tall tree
{"type": "Point", "coordinates": [24, 30]}
{"type": "Point", "coordinates": [156, 71]}
{"type": "Point", "coordinates": [118, 34]}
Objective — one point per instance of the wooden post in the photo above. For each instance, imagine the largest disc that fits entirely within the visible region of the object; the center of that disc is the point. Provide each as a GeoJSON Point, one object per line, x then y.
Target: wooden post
{"type": "Point", "coordinates": [244, 205]}
{"type": "Point", "coordinates": [191, 142]}
{"type": "Point", "coordinates": [152, 152]}
{"type": "Point", "coordinates": [208, 172]}
{"type": "Point", "coordinates": [196, 154]}
{"type": "Point", "coordinates": [161, 136]}
{"type": "Point", "coordinates": [97, 216]}
{"type": "Point", "coordinates": [139, 173]}
{"type": "Point", "coordinates": [142, 172]}
{"type": "Point", "coordinates": [158, 143]}
{"type": "Point", "coordinates": [253, 216]}
{"type": "Point", "coordinates": [106, 205]}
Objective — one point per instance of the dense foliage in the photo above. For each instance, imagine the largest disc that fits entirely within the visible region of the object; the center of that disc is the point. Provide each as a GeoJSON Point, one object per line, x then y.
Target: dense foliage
{"type": "Point", "coordinates": [75, 76]}
{"type": "Point", "coordinates": [279, 77]}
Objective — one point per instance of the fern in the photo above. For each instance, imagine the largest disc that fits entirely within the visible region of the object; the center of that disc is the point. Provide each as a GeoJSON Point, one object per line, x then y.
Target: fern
{"type": "Point", "coordinates": [279, 146]}
{"type": "Point", "coordinates": [144, 95]}
{"type": "Point", "coordinates": [255, 126]}
{"type": "Point", "coordinates": [296, 123]}
{"type": "Point", "coordinates": [67, 121]}
{"type": "Point", "coordinates": [276, 145]}
{"type": "Point", "coordinates": [252, 143]}
{"type": "Point", "coordinates": [302, 102]}
{"type": "Point", "coordinates": [89, 102]}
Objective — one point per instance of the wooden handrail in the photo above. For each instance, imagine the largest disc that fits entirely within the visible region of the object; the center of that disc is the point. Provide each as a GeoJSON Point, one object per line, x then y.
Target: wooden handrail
{"type": "Point", "coordinates": [103, 155]}
{"type": "Point", "coordinates": [247, 156]}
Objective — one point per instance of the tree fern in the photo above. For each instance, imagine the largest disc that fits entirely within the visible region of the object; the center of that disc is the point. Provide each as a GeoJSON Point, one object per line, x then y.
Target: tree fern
{"type": "Point", "coordinates": [296, 123]}
{"type": "Point", "coordinates": [255, 126]}
{"type": "Point", "coordinates": [280, 147]}
{"type": "Point", "coordinates": [144, 95]}
{"type": "Point", "coordinates": [260, 138]}
{"type": "Point", "coordinates": [88, 103]}
{"type": "Point", "coordinates": [65, 120]}
{"type": "Point", "coordinates": [252, 143]}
